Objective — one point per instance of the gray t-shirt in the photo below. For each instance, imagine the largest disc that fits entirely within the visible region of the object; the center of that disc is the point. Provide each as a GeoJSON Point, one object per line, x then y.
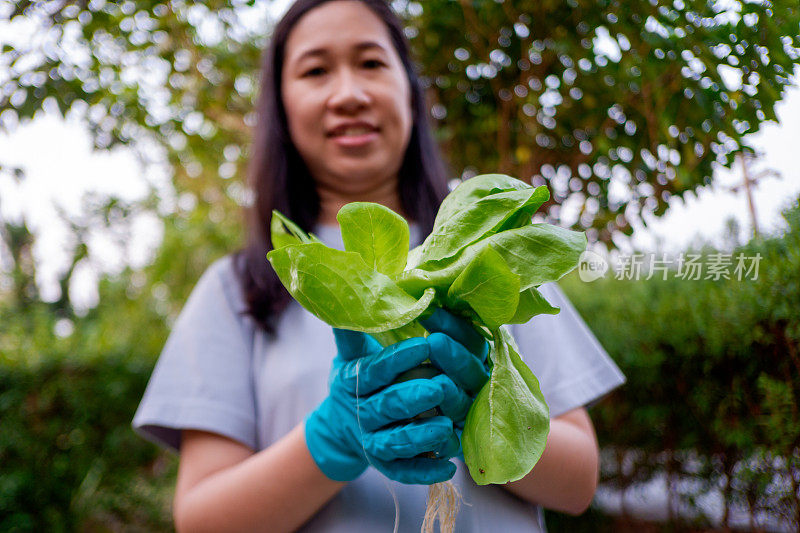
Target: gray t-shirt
{"type": "Point", "coordinates": [218, 372]}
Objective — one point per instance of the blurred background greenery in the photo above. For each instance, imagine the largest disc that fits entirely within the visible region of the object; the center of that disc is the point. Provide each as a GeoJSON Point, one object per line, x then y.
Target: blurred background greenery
{"type": "Point", "coordinates": [616, 106]}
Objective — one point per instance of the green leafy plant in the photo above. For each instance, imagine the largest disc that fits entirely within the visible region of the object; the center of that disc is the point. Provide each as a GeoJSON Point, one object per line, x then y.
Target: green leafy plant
{"type": "Point", "coordinates": [483, 261]}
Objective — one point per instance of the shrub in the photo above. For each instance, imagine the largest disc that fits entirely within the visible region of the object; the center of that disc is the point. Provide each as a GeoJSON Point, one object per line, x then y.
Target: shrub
{"type": "Point", "coordinates": [70, 460]}
{"type": "Point", "coordinates": [713, 372]}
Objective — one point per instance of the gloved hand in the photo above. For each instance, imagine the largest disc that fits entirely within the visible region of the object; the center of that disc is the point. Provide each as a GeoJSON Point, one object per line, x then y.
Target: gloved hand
{"type": "Point", "coordinates": [458, 350]}
{"type": "Point", "coordinates": [365, 420]}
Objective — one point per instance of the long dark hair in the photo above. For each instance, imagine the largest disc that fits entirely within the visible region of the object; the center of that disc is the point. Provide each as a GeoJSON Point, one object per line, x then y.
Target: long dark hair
{"type": "Point", "coordinates": [280, 179]}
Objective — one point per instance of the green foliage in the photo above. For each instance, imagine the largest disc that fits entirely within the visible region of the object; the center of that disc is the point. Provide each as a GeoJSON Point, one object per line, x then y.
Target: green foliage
{"type": "Point", "coordinates": [649, 95]}
{"type": "Point", "coordinates": [507, 425]}
{"type": "Point", "coordinates": [488, 287]}
{"type": "Point", "coordinates": [713, 372]}
{"type": "Point", "coordinates": [341, 289]}
{"type": "Point", "coordinates": [500, 210]}
{"type": "Point", "coordinates": [143, 73]}
{"type": "Point", "coordinates": [549, 262]}
{"type": "Point", "coordinates": [70, 459]}
{"type": "Point", "coordinates": [69, 386]}
{"type": "Point", "coordinates": [378, 234]}
{"type": "Point", "coordinates": [531, 303]}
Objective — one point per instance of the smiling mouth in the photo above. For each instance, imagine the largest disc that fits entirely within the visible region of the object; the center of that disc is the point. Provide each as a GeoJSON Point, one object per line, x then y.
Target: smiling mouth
{"type": "Point", "coordinates": [355, 135]}
{"type": "Point", "coordinates": [355, 131]}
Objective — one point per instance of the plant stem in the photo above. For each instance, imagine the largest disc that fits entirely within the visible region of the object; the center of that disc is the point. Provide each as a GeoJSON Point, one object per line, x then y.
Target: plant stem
{"type": "Point", "coordinates": [412, 329]}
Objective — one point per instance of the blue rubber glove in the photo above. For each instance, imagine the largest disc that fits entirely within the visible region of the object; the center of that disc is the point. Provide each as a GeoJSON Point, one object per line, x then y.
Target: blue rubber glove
{"type": "Point", "coordinates": [365, 420]}
{"type": "Point", "coordinates": [458, 350]}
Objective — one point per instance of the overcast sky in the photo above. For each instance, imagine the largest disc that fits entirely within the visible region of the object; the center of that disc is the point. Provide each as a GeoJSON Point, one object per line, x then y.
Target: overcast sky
{"type": "Point", "coordinates": [705, 214]}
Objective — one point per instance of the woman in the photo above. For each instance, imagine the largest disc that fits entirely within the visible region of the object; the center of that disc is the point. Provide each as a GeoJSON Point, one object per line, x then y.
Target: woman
{"type": "Point", "coordinates": [242, 389]}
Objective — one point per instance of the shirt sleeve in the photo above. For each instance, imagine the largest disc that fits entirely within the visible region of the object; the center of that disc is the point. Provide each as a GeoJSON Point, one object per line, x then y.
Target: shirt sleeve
{"type": "Point", "coordinates": [572, 367]}
{"type": "Point", "coordinates": [203, 378]}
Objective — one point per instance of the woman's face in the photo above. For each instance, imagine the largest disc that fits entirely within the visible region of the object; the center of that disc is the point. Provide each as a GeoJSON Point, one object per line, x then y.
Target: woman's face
{"type": "Point", "coordinates": [347, 99]}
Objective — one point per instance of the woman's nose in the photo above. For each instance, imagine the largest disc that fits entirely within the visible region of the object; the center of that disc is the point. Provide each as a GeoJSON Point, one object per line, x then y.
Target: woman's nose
{"type": "Point", "coordinates": [348, 92]}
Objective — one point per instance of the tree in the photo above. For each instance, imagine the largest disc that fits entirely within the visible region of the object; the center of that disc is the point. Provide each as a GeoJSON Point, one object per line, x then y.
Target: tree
{"type": "Point", "coordinates": [617, 107]}
{"type": "Point", "coordinates": [144, 74]}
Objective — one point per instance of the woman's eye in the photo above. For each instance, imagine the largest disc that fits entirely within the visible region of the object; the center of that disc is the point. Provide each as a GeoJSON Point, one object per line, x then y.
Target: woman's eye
{"type": "Point", "coordinates": [317, 71]}
{"type": "Point", "coordinates": [373, 63]}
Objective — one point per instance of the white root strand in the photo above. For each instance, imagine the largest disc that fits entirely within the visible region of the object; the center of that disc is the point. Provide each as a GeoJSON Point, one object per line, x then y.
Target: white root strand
{"type": "Point", "coordinates": [443, 504]}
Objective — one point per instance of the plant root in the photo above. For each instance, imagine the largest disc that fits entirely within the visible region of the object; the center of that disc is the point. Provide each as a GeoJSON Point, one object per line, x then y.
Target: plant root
{"type": "Point", "coordinates": [443, 504]}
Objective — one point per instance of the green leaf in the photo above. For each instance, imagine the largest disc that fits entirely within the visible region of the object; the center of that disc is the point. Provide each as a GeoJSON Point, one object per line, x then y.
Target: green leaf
{"type": "Point", "coordinates": [342, 290]}
{"type": "Point", "coordinates": [481, 219]}
{"type": "Point", "coordinates": [467, 193]}
{"type": "Point", "coordinates": [537, 253]}
{"type": "Point", "coordinates": [284, 232]}
{"type": "Point", "coordinates": [472, 190]}
{"type": "Point", "coordinates": [531, 303]}
{"type": "Point", "coordinates": [279, 233]}
{"type": "Point", "coordinates": [506, 428]}
{"type": "Point", "coordinates": [414, 257]}
{"type": "Point", "coordinates": [376, 232]}
{"type": "Point", "coordinates": [489, 287]}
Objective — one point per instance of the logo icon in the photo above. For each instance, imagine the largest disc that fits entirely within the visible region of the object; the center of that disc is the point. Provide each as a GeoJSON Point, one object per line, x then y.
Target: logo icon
{"type": "Point", "coordinates": [591, 266]}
